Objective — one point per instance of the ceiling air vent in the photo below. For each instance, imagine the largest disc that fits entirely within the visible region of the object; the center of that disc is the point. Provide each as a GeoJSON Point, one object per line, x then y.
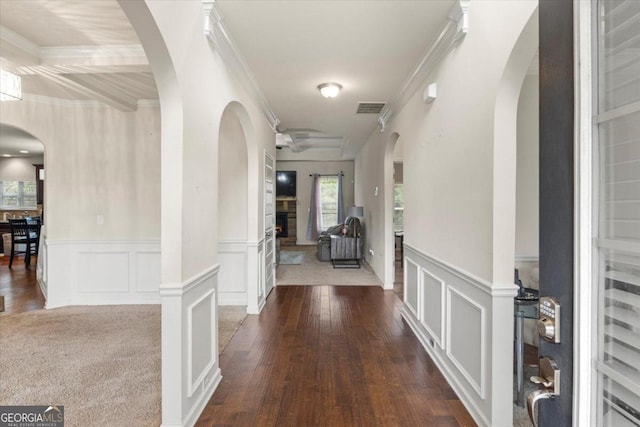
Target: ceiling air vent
{"type": "Point", "coordinates": [370, 107]}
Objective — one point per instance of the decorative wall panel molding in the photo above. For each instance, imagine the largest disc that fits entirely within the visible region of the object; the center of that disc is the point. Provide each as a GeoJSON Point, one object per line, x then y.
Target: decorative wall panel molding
{"type": "Point", "coordinates": [102, 272]}
{"type": "Point", "coordinates": [433, 303]}
{"type": "Point", "coordinates": [255, 283]}
{"type": "Point", "coordinates": [232, 283]}
{"type": "Point", "coordinates": [411, 285]}
{"type": "Point", "coordinates": [202, 352]}
{"type": "Point", "coordinates": [190, 363]}
{"type": "Point", "coordinates": [468, 352]}
{"type": "Point", "coordinates": [452, 314]}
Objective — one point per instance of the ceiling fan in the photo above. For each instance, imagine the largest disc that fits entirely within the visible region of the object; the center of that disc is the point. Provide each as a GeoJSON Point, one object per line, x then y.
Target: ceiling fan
{"type": "Point", "coordinates": [301, 139]}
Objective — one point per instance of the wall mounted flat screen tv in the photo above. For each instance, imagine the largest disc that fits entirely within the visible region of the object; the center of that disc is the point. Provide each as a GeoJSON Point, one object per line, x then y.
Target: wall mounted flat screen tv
{"type": "Point", "coordinates": [286, 184]}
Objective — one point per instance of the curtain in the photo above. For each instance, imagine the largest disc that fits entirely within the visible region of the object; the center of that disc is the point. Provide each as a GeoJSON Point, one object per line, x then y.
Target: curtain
{"type": "Point", "coordinates": [313, 226]}
{"type": "Point", "coordinates": [340, 200]}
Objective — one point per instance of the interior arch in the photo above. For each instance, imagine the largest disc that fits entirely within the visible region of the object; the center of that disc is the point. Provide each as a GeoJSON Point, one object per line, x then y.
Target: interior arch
{"type": "Point", "coordinates": [504, 150]}
{"type": "Point", "coordinates": [233, 180]}
{"type": "Point", "coordinates": [389, 237]}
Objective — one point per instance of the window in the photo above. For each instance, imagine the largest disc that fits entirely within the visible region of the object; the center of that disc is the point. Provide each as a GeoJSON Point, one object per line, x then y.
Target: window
{"type": "Point", "coordinates": [18, 194]}
{"type": "Point", "coordinates": [617, 160]}
{"type": "Point", "coordinates": [328, 201]}
{"type": "Point", "coordinates": [398, 207]}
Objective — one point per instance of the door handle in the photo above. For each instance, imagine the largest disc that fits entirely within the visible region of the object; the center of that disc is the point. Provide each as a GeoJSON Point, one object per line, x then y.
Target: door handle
{"type": "Point", "coordinates": [533, 399]}
{"type": "Point", "coordinates": [549, 378]}
{"type": "Point", "coordinates": [268, 234]}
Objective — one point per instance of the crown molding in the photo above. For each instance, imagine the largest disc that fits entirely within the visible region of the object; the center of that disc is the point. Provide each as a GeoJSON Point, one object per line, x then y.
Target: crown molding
{"type": "Point", "coordinates": [61, 102]}
{"type": "Point", "coordinates": [105, 51]}
{"type": "Point", "coordinates": [454, 30]}
{"type": "Point", "coordinates": [49, 100]}
{"type": "Point", "coordinates": [221, 40]}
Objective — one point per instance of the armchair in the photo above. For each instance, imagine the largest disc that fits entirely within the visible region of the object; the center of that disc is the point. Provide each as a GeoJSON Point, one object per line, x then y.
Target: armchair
{"type": "Point", "coordinates": [324, 242]}
{"type": "Point", "coordinates": [346, 247]}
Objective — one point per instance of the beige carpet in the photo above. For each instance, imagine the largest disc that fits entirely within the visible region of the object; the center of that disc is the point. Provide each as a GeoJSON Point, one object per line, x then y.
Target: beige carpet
{"type": "Point", "coordinates": [102, 363]}
{"type": "Point", "coordinates": [314, 272]}
{"type": "Point", "coordinates": [230, 318]}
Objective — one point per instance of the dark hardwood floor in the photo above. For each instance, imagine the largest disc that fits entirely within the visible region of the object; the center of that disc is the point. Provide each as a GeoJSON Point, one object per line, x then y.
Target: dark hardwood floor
{"type": "Point", "coordinates": [19, 287]}
{"type": "Point", "coordinates": [330, 356]}
{"type": "Point", "coordinates": [398, 282]}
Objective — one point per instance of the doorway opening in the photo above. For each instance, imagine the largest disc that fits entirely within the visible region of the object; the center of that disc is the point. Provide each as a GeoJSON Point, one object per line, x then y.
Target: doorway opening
{"type": "Point", "coordinates": [21, 196]}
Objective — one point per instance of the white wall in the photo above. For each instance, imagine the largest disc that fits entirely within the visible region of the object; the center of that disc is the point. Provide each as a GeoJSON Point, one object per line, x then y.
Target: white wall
{"type": "Point", "coordinates": [368, 177]}
{"type": "Point", "coordinates": [194, 88]}
{"type": "Point", "coordinates": [527, 197]}
{"type": "Point", "coordinates": [232, 211]}
{"type": "Point", "coordinates": [303, 188]}
{"type": "Point", "coordinates": [459, 192]}
{"type": "Point", "coordinates": [232, 176]}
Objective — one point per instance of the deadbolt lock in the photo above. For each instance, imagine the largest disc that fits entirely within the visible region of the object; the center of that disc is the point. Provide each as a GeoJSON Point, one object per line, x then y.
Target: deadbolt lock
{"type": "Point", "coordinates": [549, 322]}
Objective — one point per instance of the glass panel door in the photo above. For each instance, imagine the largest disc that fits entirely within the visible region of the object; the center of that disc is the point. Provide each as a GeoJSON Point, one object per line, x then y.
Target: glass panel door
{"type": "Point", "coordinates": [617, 186]}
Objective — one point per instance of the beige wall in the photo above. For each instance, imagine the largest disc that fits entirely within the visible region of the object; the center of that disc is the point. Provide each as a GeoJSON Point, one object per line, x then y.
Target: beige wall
{"type": "Point", "coordinates": [303, 188]}
{"type": "Point", "coordinates": [527, 196]}
{"type": "Point", "coordinates": [100, 162]}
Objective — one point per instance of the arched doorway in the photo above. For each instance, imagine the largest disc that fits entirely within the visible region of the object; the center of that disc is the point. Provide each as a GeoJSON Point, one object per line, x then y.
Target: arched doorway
{"type": "Point", "coordinates": [233, 187]}
{"type": "Point", "coordinates": [389, 233]}
{"type": "Point", "coordinates": [22, 157]}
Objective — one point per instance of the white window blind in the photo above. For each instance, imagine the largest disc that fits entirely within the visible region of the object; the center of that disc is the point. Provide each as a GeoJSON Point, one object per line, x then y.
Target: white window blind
{"type": "Point", "coordinates": [617, 157]}
{"type": "Point", "coordinates": [18, 194]}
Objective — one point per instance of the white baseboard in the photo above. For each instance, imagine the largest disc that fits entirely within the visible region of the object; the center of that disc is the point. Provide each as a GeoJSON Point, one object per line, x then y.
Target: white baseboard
{"type": "Point", "coordinates": [197, 409]}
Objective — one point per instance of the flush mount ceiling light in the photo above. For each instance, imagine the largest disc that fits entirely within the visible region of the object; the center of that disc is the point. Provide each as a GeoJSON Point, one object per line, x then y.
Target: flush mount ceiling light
{"type": "Point", "coordinates": [10, 86]}
{"type": "Point", "coordinates": [329, 90]}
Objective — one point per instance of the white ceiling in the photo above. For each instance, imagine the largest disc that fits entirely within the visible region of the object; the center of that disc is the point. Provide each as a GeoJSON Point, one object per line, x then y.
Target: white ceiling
{"type": "Point", "coordinates": [369, 47]}
{"type": "Point", "coordinates": [12, 140]}
{"type": "Point", "coordinates": [87, 50]}
{"type": "Point", "coordinates": [77, 50]}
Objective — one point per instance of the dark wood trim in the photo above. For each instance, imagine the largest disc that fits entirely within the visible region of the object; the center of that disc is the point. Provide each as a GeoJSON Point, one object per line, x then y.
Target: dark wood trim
{"type": "Point", "coordinates": [39, 184]}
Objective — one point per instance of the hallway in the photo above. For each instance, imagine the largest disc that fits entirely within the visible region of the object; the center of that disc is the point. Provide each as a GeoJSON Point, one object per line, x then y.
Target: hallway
{"type": "Point", "coordinates": [330, 356]}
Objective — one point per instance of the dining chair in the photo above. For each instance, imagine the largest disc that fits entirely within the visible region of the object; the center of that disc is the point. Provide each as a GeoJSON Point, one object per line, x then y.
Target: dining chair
{"type": "Point", "coordinates": [25, 236]}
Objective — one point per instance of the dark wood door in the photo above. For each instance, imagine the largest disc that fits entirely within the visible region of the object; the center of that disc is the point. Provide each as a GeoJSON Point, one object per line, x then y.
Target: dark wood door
{"type": "Point", "coordinates": [557, 194]}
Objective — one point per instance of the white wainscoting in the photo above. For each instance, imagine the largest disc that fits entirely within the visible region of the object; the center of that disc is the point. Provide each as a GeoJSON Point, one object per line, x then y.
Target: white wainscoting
{"type": "Point", "coordinates": [466, 326]}
{"type": "Point", "coordinates": [101, 272]}
{"type": "Point", "coordinates": [41, 271]}
{"type": "Point", "coordinates": [256, 277]}
{"type": "Point", "coordinates": [190, 363]}
{"type": "Point", "coordinates": [233, 283]}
